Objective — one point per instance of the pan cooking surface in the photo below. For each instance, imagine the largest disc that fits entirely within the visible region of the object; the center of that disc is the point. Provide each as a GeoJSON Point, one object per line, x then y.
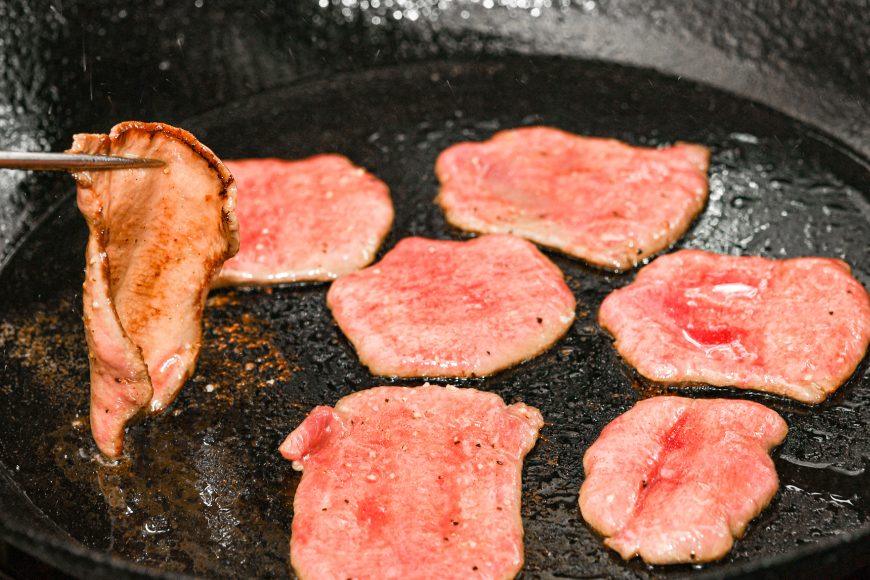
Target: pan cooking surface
{"type": "Point", "coordinates": [202, 489]}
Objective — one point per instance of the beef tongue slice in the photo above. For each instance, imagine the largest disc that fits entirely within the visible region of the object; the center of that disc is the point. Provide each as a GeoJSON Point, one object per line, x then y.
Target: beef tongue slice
{"type": "Point", "coordinates": [158, 237]}
{"type": "Point", "coordinates": [411, 483]}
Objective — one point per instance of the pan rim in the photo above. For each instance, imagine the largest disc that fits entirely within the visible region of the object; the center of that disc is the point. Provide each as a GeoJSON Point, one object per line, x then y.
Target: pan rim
{"type": "Point", "coordinates": [34, 542]}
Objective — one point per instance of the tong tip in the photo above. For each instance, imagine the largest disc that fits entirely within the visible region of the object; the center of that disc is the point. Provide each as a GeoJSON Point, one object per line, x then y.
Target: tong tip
{"type": "Point", "coordinates": [72, 161]}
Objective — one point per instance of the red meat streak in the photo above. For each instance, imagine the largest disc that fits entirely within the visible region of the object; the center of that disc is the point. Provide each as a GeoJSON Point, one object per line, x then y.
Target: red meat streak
{"type": "Point", "coordinates": [674, 480]}
{"type": "Point", "coordinates": [410, 483]}
{"type": "Point", "coordinates": [795, 327]}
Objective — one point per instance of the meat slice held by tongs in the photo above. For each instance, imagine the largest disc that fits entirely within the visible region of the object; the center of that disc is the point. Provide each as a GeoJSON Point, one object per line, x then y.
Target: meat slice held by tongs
{"type": "Point", "coordinates": [158, 237]}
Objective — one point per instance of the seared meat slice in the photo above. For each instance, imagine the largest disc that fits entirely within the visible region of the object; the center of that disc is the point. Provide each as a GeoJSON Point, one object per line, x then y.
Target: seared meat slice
{"type": "Point", "coordinates": [601, 200]}
{"type": "Point", "coordinates": [675, 480]}
{"type": "Point", "coordinates": [157, 239]}
{"type": "Point", "coordinates": [795, 327]}
{"type": "Point", "coordinates": [453, 309]}
{"type": "Point", "coordinates": [313, 219]}
{"type": "Point", "coordinates": [410, 483]}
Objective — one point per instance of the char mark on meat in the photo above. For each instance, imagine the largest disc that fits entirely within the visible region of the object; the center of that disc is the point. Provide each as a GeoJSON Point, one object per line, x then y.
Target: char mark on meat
{"type": "Point", "coordinates": [157, 239]}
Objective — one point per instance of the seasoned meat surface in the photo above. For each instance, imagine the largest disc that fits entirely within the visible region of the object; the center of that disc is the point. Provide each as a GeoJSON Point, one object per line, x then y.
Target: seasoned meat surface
{"type": "Point", "coordinates": [314, 219]}
{"type": "Point", "coordinates": [410, 483]}
{"type": "Point", "coordinates": [453, 309]}
{"type": "Point", "coordinates": [600, 200]}
{"type": "Point", "coordinates": [157, 239]}
{"type": "Point", "coordinates": [795, 327]}
{"type": "Point", "coordinates": [675, 480]}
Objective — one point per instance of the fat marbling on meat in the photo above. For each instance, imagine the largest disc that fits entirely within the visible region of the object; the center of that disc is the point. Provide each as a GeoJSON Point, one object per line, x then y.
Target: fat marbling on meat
{"type": "Point", "coordinates": [675, 480]}
{"type": "Point", "coordinates": [453, 309]}
{"type": "Point", "coordinates": [309, 220]}
{"type": "Point", "coordinates": [410, 483]}
{"type": "Point", "coordinates": [157, 239]}
{"type": "Point", "coordinates": [600, 200]}
{"type": "Point", "coordinates": [794, 327]}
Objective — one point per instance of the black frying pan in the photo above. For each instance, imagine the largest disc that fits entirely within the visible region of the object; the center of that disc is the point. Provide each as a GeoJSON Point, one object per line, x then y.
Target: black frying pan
{"type": "Point", "coordinates": [203, 490]}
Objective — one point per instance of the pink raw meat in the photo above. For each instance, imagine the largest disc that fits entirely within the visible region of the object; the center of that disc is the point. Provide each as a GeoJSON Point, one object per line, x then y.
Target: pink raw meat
{"type": "Point", "coordinates": [601, 200]}
{"type": "Point", "coordinates": [453, 309]}
{"type": "Point", "coordinates": [795, 327]}
{"type": "Point", "coordinates": [410, 483]}
{"type": "Point", "coordinates": [676, 480]}
{"type": "Point", "coordinates": [314, 219]}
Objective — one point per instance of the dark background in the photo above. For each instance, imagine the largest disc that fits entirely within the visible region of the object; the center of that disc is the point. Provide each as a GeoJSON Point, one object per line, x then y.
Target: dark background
{"type": "Point", "coordinates": [70, 66]}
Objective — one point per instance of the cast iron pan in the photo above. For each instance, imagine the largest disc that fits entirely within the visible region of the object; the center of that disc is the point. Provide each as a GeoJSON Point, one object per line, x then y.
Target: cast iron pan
{"type": "Point", "coordinates": [202, 490]}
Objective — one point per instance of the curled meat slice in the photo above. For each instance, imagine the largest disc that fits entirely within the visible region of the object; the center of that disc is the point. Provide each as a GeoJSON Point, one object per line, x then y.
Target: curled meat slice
{"type": "Point", "coordinates": [676, 480]}
{"type": "Point", "coordinates": [410, 483]}
{"type": "Point", "coordinates": [157, 239]}
{"type": "Point", "coordinates": [600, 200]}
{"type": "Point", "coordinates": [794, 327]}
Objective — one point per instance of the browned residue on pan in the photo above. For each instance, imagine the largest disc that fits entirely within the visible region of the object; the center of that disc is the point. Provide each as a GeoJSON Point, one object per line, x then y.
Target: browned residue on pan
{"type": "Point", "coordinates": [42, 343]}
{"type": "Point", "coordinates": [256, 360]}
{"type": "Point", "coordinates": [187, 497]}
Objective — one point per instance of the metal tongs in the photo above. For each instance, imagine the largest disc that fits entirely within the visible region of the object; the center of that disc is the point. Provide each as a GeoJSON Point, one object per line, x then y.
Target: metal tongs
{"type": "Point", "coordinates": [72, 161]}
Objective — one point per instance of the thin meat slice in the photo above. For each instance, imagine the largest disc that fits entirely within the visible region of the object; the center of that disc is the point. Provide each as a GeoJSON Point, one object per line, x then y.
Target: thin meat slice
{"type": "Point", "coordinates": [410, 483]}
{"type": "Point", "coordinates": [600, 200]}
{"type": "Point", "coordinates": [453, 309]}
{"type": "Point", "coordinates": [308, 220]}
{"type": "Point", "coordinates": [676, 480]}
{"type": "Point", "coordinates": [157, 239]}
{"type": "Point", "coordinates": [795, 327]}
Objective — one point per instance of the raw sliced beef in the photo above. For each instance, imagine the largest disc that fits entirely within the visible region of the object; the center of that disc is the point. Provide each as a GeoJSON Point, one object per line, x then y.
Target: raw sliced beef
{"type": "Point", "coordinates": [410, 483]}
{"type": "Point", "coordinates": [314, 219]}
{"type": "Point", "coordinates": [676, 480]}
{"type": "Point", "coordinates": [601, 200]}
{"type": "Point", "coordinates": [795, 327]}
{"type": "Point", "coordinates": [453, 309]}
{"type": "Point", "coordinates": [157, 239]}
